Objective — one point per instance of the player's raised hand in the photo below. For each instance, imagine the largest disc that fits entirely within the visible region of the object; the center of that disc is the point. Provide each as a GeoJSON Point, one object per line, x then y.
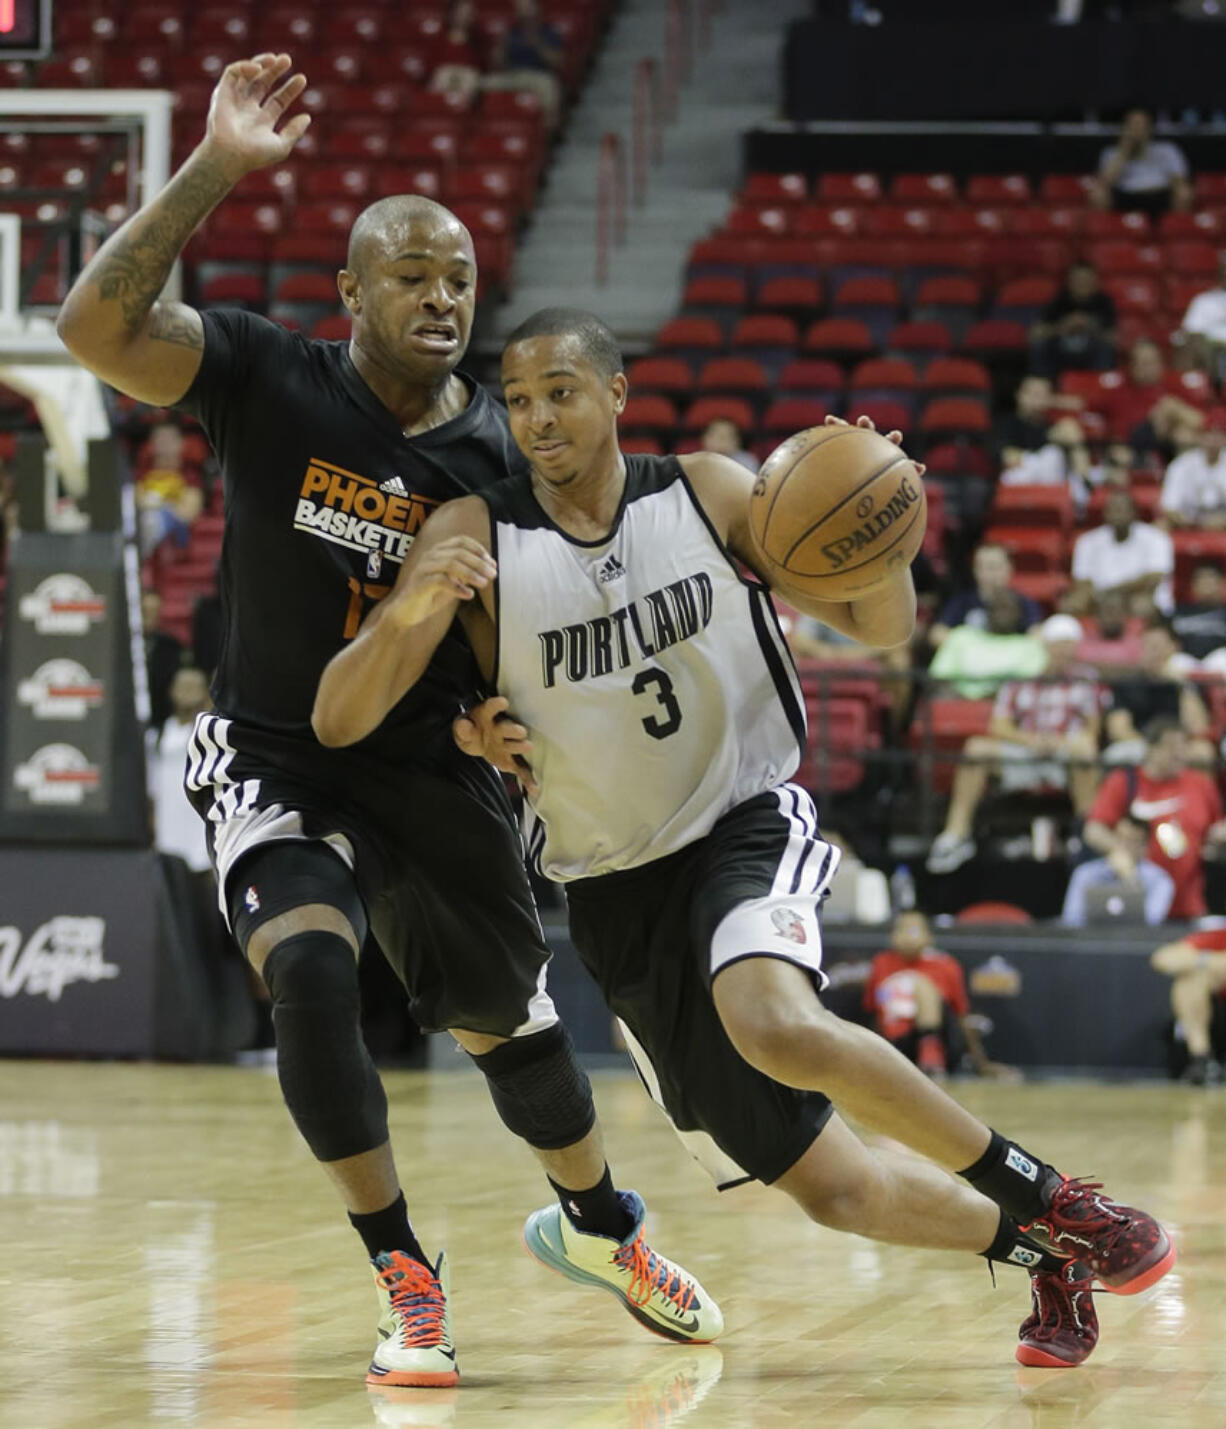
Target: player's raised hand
{"type": "Point", "coordinates": [869, 425]}
{"type": "Point", "coordinates": [251, 99]}
{"type": "Point", "coordinates": [456, 569]}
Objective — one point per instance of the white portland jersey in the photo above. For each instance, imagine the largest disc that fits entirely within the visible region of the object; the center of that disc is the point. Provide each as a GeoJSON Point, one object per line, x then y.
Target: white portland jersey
{"type": "Point", "coordinates": [654, 680]}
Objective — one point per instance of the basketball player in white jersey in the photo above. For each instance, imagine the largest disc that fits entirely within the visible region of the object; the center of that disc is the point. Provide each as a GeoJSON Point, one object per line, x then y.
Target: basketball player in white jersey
{"type": "Point", "coordinates": [606, 599]}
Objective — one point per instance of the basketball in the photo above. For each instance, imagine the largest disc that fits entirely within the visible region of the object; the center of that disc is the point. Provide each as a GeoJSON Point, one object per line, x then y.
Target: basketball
{"type": "Point", "coordinates": [837, 510]}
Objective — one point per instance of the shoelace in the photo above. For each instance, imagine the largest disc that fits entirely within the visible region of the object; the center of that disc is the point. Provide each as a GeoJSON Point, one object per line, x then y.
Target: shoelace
{"type": "Point", "coordinates": [1064, 1298]}
{"type": "Point", "coordinates": [648, 1273]}
{"type": "Point", "coordinates": [417, 1298]}
{"type": "Point", "coordinates": [1080, 1193]}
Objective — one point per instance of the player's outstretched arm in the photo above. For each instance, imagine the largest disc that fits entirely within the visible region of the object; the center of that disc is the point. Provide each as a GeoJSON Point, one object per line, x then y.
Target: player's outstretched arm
{"type": "Point", "coordinates": [449, 565]}
{"type": "Point", "coordinates": [111, 320]}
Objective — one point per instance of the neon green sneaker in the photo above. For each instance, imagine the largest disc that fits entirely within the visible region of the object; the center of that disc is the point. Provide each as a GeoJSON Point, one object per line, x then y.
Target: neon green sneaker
{"type": "Point", "coordinates": [657, 1293]}
{"type": "Point", "coordinates": [415, 1329]}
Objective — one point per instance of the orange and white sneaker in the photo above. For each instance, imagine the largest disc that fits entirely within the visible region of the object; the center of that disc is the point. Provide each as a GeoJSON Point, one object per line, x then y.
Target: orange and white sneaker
{"type": "Point", "coordinates": [659, 1294]}
{"type": "Point", "coordinates": [415, 1329]}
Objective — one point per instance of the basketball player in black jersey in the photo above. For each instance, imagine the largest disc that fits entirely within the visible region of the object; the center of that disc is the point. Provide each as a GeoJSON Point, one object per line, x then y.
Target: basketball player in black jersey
{"type": "Point", "coordinates": [707, 947]}
{"type": "Point", "coordinates": [332, 456]}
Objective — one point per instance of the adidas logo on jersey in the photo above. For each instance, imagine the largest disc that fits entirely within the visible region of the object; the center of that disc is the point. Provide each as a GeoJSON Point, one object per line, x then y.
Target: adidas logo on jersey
{"type": "Point", "coordinates": [610, 570]}
{"type": "Point", "coordinates": [394, 486]}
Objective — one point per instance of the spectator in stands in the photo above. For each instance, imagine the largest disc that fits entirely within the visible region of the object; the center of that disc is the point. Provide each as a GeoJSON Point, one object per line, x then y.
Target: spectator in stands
{"type": "Point", "coordinates": [163, 657]}
{"type": "Point", "coordinates": [1200, 625]}
{"type": "Point", "coordinates": [724, 436]}
{"type": "Point", "coordinates": [1204, 324]}
{"type": "Point", "coordinates": [532, 54]}
{"type": "Point", "coordinates": [1063, 460]}
{"type": "Point", "coordinates": [1140, 174]}
{"type": "Point", "coordinates": [977, 660]}
{"type": "Point", "coordinates": [1111, 636]}
{"type": "Point", "coordinates": [1182, 807]}
{"type": "Point", "coordinates": [457, 52]}
{"type": "Point", "coordinates": [169, 490]}
{"type": "Point", "coordinates": [1126, 869]}
{"type": "Point", "coordinates": [1197, 963]}
{"type": "Point", "coordinates": [993, 571]}
{"type": "Point", "coordinates": [1156, 691]}
{"type": "Point", "coordinates": [1076, 330]}
{"type": "Point", "coordinates": [917, 996]}
{"type": "Point", "coordinates": [1043, 733]}
{"type": "Point", "coordinates": [177, 828]}
{"type": "Point", "coordinates": [1025, 428]}
{"type": "Point", "coordinates": [1194, 491]}
{"type": "Point", "coordinates": [1126, 555]}
{"type": "Point", "coordinates": [1146, 406]}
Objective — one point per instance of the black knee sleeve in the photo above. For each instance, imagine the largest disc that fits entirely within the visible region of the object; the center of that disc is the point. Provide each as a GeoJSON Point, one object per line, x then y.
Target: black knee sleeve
{"type": "Point", "coordinates": [327, 1077]}
{"type": "Point", "coordinates": [279, 877]}
{"type": "Point", "coordinates": [541, 1092]}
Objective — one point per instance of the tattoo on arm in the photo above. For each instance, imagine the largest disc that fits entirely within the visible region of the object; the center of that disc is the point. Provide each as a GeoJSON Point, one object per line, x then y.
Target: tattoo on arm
{"type": "Point", "coordinates": [133, 266]}
{"type": "Point", "coordinates": [172, 322]}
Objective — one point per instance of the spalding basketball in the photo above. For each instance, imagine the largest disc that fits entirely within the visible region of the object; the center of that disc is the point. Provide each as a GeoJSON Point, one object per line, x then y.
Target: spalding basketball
{"type": "Point", "coordinates": [837, 510]}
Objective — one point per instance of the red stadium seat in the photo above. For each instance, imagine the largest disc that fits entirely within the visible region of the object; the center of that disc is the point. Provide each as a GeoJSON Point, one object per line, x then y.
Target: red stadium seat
{"type": "Point", "coordinates": [501, 182]}
{"type": "Point", "coordinates": [424, 179]}
{"type": "Point", "coordinates": [1047, 222]}
{"type": "Point", "coordinates": [887, 416]}
{"type": "Point", "coordinates": [656, 416]}
{"type": "Point", "coordinates": [919, 337]}
{"type": "Point", "coordinates": [923, 189]}
{"type": "Point", "coordinates": [952, 290]}
{"type": "Point", "coordinates": [1208, 223]}
{"type": "Point", "coordinates": [1124, 256]}
{"type": "Point", "coordinates": [827, 222]}
{"type": "Point", "coordinates": [1192, 259]}
{"type": "Point", "coordinates": [647, 446]}
{"type": "Point", "coordinates": [1109, 225]}
{"type": "Point", "coordinates": [993, 912]}
{"type": "Point", "coordinates": [334, 328]}
{"type": "Point", "coordinates": [994, 336]}
{"type": "Point", "coordinates": [1033, 506]}
{"type": "Point", "coordinates": [345, 26]}
{"type": "Point", "coordinates": [888, 377]}
{"type": "Point", "coordinates": [1031, 548]}
{"type": "Point", "coordinates": [1072, 190]}
{"type": "Point", "coordinates": [336, 181]}
{"type": "Point", "coordinates": [772, 222]}
{"type": "Point", "coordinates": [850, 188]}
{"type": "Point", "coordinates": [1031, 293]}
{"type": "Point", "coordinates": [971, 222]}
{"type": "Point", "coordinates": [222, 25]}
{"type": "Point", "coordinates": [767, 189]}
{"type": "Point", "coordinates": [668, 375]}
{"type": "Point", "coordinates": [766, 330]}
{"type": "Point", "coordinates": [244, 288]}
{"type": "Point", "coordinates": [690, 334]}
{"type": "Point", "coordinates": [840, 735]}
{"type": "Point", "coordinates": [1133, 293]}
{"type": "Point", "coordinates": [813, 375]}
{"type": "Point", "coordinates": [998, 189]}
{"type": "Point", "coordinates": [307, 288]}
{"type": "Point", "coordinates": [956, 374]}
{"type": "Point", "coordinates": [956, 416]}
{"type": "Point", "coordinates": [789, 295]}
{"type": "Point", "coordinates": [867, 292]}
{"type": "Point", "coordinates": [1210, 190]}
{"type": "Point", "coordinates": [948, 723]}
{"type": "Point", "coordinates": [845, 337]}
{"type": "Point", "coordinates": [898, 222]}
{"type": "Point", "coordinates": [711, 409]}
{"type": "Point", "coordinates": [715, 293]}
{"type": "Point", "coordinates": [733, 374]}
{"type": "Point", "coordinates": [786, 415]}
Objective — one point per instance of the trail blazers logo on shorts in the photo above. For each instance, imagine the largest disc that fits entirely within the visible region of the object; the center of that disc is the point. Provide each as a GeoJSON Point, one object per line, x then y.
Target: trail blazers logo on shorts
{"type": "Point", "coordinates": [354, 511]}
{"type": "Point", "coordinates": [789, 925]}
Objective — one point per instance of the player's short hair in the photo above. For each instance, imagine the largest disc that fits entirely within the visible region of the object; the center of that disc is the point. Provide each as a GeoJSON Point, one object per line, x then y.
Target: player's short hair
{"type": "Point", "coordinates": [596, 340]}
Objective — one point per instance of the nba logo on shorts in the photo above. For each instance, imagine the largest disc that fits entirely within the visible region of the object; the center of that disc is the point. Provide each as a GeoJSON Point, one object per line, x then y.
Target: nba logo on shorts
{"type": "Point", "coordinates": [252, 899]}
{"type": "Point", "coordinates": [1015, 1161]}
{"type": "Point", "coordinates": [789, 925]}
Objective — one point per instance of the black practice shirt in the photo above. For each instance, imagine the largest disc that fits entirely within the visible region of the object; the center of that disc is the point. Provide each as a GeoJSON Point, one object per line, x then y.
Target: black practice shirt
{"type": "Point", "coordinates": [323, 496]}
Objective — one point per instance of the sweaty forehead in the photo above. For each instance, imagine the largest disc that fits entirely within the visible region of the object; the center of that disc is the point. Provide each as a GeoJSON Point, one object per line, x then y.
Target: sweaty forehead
{"type": "Point", "coordinates": [430, 237]}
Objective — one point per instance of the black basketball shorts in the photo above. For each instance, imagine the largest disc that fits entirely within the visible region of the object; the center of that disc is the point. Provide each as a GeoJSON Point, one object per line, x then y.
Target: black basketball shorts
{"type": "Point", "coordinates": [435, 853]}
{"type": "Point", "coordinates": [654, 937]}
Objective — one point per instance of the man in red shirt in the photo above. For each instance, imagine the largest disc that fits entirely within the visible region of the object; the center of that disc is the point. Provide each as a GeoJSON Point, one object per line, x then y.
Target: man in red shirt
{"type": "Point", "coordinates": [1197, 963]}
{"type": "Point", "coordinates": [1147, 392]}
{"type": "Point", "coordinates": [913, 992]}
{"type": "Point", "coordinates": [1181, 806]}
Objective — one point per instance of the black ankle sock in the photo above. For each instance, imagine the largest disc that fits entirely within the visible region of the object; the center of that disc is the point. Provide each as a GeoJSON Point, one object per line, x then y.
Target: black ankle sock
{"type": "Point", "coordinates": [1012, 1247]}
{"type": "Point", "coordinates": [598, 1210]}
{"type": "Point", "coordinates": [1017, 1181]}
{"type": "Point", "coordinates": [388, 1229]}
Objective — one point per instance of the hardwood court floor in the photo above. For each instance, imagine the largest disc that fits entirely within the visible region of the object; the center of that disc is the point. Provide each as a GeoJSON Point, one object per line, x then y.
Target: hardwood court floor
{"type": "Point", "coordinates": [172, 1257]}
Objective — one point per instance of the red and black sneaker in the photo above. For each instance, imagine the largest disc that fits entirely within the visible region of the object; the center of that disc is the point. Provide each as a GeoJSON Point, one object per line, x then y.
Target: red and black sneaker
{"type": "Point", "coordinates": [1062, 1327]}
{"type": "Point", "coordinates": [1126, 1250]}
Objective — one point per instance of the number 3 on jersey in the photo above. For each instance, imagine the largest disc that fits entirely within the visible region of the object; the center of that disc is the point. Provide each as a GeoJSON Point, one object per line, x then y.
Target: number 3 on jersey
{"type": "Point", "coordinates": [658, 683]}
